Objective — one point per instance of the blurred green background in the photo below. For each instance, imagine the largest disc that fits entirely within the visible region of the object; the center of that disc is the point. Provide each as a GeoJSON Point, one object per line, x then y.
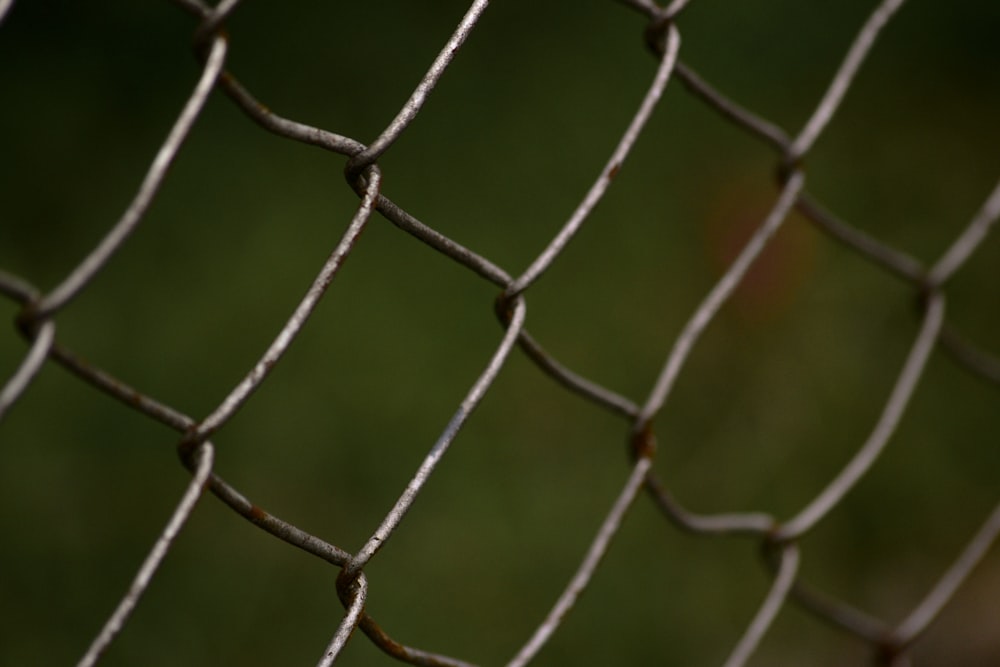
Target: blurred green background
{"type": "Point", "coordinates": [785, 385]}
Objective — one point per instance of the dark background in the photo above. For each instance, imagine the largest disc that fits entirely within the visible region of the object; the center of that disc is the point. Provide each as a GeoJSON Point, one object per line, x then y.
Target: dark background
{"type": "Point", "coordinates": [785, 385]}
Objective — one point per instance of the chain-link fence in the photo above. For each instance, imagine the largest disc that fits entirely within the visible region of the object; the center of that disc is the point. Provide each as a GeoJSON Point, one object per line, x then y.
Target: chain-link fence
{"type": "Point", "coordinates": [611, 201]}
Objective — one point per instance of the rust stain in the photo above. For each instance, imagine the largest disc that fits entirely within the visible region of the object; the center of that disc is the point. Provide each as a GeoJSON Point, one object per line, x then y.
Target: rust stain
{"type": "Point", "coordinates": [643, 442]}
{"type": "Point", "coordinates": [257, 514]}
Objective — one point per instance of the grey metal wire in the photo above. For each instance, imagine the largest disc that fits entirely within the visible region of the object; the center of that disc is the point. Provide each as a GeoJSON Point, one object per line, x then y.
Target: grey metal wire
{"type": "Point", "coordinates": [716, 297]}
{"type": "Point", "coordinates": [966, 244]}
{"type": "Point", "coordinates": [611, 169]}
{"type": "Point", "coordinates": [780, 541]}
{"type": "Point", "coordinates": [205, 459]}
{"type": "Point", "coordinates": [284, 339]}
{"type": "Point", "coordinates": [843, 79]}
{"type": "Point", "coordinates": [787, 569]}
{"type": "Point", "coordinates": [85, 271]}
{"type": "Point", "coordinates": [409, 110]}
{"type": "Point", "coordinates": [591, 560]}
{"type": "Point", "coordinates": [472, 399]}
{"type": "Point", "coordinates": [348, 624]}
{"type": "Point", "coordinates": [865, 457]}
{"type": "Point", "coordinates": [29, 367]}
{"type": "Point", "coordinates": [924, 613]}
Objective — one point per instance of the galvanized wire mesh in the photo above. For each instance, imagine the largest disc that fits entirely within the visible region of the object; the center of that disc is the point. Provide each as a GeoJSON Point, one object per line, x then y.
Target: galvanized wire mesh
{"type": "Point", "coordinates": [892, 641]}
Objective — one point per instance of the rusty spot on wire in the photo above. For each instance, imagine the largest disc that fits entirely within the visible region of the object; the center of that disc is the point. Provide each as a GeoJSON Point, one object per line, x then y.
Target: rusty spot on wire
{"type": "Point", "coordinates": [642, 444]}
{"type": "Point", "coordinates": [256, 514]}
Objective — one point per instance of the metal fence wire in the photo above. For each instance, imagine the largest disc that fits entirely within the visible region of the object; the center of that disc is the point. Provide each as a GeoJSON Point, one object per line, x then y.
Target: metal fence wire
{"type": "Point", "coordinates": [872, 478]}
